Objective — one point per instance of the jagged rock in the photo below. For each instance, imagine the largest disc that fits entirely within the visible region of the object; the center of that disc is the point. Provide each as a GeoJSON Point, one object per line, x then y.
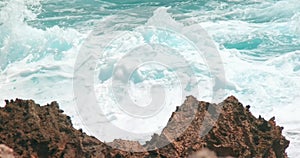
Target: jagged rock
{"type": "Point", "coordinates": [237, 132]}
{"type": "Point", "coordinates": [32, 130]}
{"type": "Point", "coordinates": [43, 131]}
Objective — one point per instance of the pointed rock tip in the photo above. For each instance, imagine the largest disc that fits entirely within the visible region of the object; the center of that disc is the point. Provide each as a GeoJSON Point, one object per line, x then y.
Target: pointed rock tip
{"type": "Point", "coordinates": [231, 99]}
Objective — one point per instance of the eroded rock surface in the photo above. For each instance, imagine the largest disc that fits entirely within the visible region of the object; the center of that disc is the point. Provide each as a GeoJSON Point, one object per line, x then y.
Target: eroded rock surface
{"type": "Point", "coordinates": [237, 132]}
{"type": "Point", "coordinates": [32, 130]}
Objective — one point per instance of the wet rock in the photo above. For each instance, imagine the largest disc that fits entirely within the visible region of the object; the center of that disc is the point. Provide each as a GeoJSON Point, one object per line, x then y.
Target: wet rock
{"type": "Point", "coordinates": [227, 129]}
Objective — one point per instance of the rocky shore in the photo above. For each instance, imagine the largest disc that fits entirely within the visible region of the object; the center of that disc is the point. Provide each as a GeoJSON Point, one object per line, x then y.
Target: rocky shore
{"type": "Point", "coordinates": [30, 130]}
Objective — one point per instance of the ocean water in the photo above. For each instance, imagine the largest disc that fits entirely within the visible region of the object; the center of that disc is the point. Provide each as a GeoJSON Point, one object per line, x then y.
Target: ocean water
{"type": "Point", "coordinates": [258, 43]}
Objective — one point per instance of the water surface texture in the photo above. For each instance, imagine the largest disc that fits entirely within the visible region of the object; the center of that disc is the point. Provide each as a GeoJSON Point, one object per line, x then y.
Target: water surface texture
{"type": "Point", "coordinates": [258, 41]}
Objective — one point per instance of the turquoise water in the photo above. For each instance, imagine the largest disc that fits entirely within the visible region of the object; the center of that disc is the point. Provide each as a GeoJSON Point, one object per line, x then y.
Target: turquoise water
{"type": "Point", "coordinates": [258, 41]}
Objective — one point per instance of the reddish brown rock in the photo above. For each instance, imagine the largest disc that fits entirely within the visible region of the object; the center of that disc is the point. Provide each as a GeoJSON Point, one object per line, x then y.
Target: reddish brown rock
{"type": "Point", "coordinates": [43, 131]}
{"type": "Point", "coordinates": [32, 130]}
{"type": "Point", "coordinates": [237, 132]}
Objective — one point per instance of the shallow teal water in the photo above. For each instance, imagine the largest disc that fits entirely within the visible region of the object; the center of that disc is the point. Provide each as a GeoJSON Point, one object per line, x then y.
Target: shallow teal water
{"type": "Point", "coordinates": [259, 42]}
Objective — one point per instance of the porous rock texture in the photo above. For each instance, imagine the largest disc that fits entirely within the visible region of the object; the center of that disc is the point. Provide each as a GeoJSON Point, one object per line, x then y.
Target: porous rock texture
{"type": "Point", "coordinates": [227, 128]}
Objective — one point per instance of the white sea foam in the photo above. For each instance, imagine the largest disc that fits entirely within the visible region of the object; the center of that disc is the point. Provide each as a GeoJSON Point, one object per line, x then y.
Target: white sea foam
{"type": "Point", "coordinates": [38, 63]}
